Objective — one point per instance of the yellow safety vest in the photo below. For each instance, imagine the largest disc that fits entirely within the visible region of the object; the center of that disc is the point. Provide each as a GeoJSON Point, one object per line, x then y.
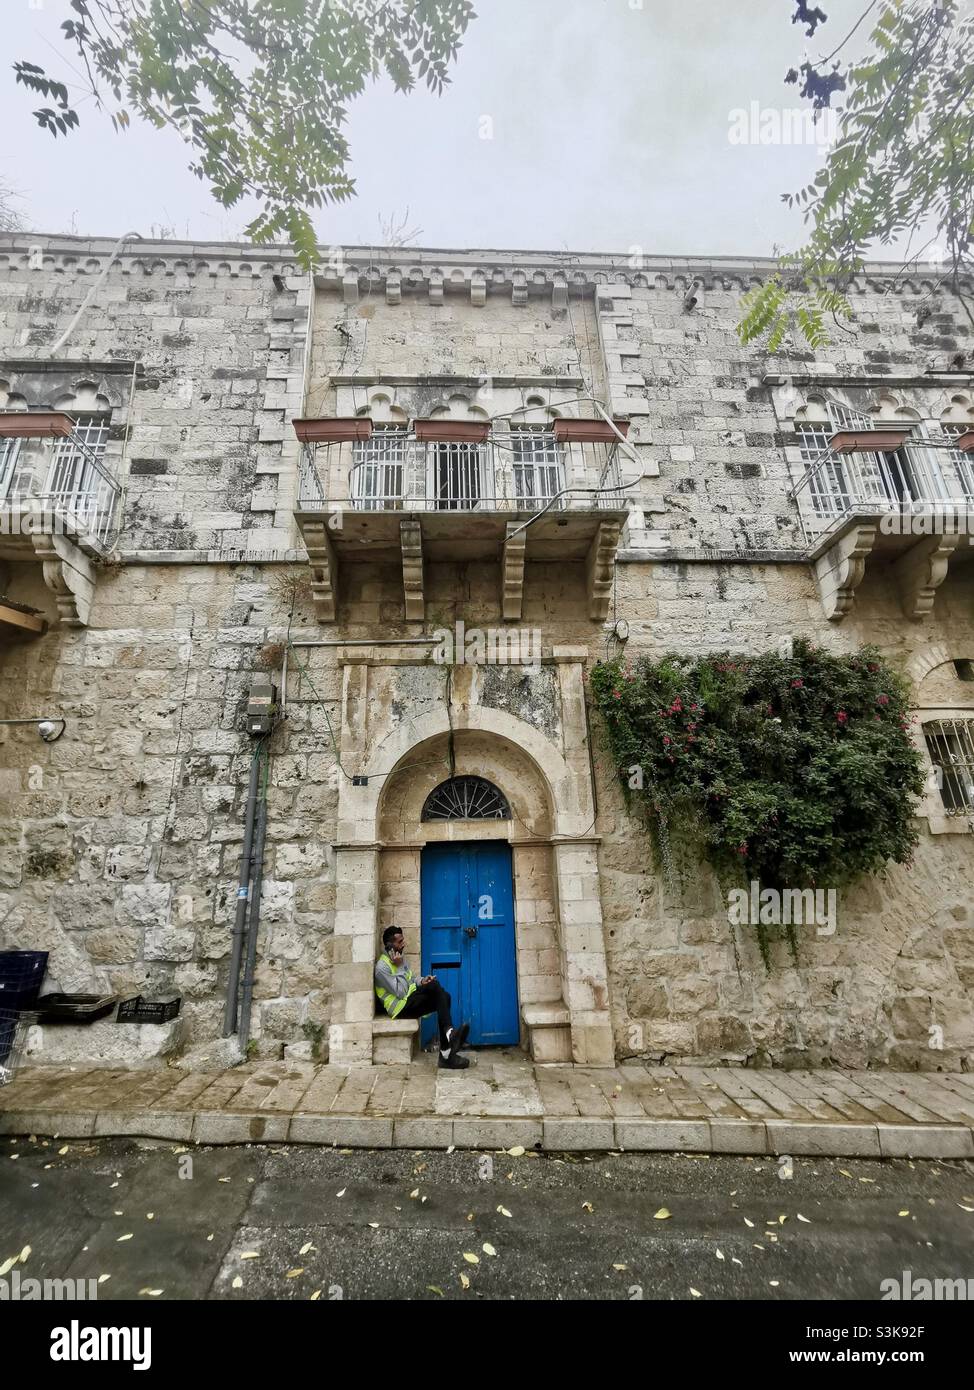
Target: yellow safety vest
{"type": "Point", "coordinates": [390, 1002]}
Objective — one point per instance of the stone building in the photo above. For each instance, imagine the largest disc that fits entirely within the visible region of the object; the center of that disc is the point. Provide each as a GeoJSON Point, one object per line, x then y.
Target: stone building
{"type": "Point", "coordinates": [196, 538]}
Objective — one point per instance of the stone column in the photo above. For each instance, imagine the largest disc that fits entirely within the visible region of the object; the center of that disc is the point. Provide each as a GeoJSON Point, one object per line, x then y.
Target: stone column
{"type": "Point", "coordinates": [356, 883]}
{"type": "Point", "coordinates": [353, 948]}
{"type": "Point", "coordinates": [575, 850]}
{"type": "Point", "coordinates": [584, 973]}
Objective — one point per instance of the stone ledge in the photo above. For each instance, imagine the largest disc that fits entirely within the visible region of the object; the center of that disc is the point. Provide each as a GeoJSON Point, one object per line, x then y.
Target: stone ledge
{"type": "Point", "coordinates": [552, 1134]}
{"type": "Point", "coordinates": [395, 1027]}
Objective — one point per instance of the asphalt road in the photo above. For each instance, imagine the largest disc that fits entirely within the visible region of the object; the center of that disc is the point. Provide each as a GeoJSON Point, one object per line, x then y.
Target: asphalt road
{"type": "Point", "coordinates": [394, 1224]}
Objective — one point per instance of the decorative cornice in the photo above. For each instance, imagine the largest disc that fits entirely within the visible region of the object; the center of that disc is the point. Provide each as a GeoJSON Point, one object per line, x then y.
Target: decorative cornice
{"type": "Point", "coordinates": [397, 271]}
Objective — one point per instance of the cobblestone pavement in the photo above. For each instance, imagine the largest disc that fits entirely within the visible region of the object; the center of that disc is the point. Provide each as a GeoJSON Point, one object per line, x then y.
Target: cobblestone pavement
{"type": "Point", "coordinates": [503, 1100]}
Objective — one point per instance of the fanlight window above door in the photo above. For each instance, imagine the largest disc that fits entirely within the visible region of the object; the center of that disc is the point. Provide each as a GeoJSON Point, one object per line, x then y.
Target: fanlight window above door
{"type": "Point", "coordinates": [466, 798]}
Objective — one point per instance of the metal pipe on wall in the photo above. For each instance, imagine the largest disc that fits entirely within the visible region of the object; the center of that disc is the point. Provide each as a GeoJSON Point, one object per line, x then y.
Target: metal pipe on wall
{"type": "Point", "coordinates": [253, 923]}
{"type": "Point", "coordinates": [243, 893]}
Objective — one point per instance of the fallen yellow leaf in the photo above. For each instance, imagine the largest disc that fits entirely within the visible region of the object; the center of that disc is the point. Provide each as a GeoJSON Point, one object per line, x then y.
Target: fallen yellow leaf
{"type": "Point", "coordinates": [803, 1218]}
{"type": "Point", "coordinates": [662, 1215]}
{"type": "Point", "coordinates": [464, 1281]}
{"type": "Point", "coordinates": [103, 1278]}
{"type": "Point", "coordinates": [250, 1255]}
{"type": "Point", "coordinates": [152, 1293]}
{"type": "Point", "coordinates": [305, 1248]}
{"type": "Point", "coordinates": [415, 1192]}
{"type": "Point", "coordinates": [315, 1296]}
{"type": "Point", "coordinates": [503, 1211]}
{"type": "Point", "coordinates": [293, 1273]}
{"type": "Point", "coordinates": [121, 1238]}
{"type": "Point", "coordinates": [904, 1212]}
{"type": "Point", "coordinates": [517, 1151]}
{"type": "Point", "coordinates": [470, 1258]}
{"type": "Point", "coordinates": [488, 1249]}
{"type": "Point", "coordinates": [695, 1292]}
{"type": "Point", "coordinates": [587, 1206]}
{"type": "Point", "coordinates": [749, 1223]}
{"type": "Point", "coordinates": [237, 1283]}
{"type": "Point", "coordinates": [620, 1266]}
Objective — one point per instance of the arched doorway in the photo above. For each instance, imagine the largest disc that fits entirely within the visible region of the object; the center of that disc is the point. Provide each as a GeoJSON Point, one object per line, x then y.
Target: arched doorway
{"type": "Point", "coordinates": [467, 919]}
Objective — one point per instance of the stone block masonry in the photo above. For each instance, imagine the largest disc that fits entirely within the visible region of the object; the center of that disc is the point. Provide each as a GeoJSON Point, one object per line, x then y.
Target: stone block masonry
{"type": "Point", "coordinates": [119, 843]}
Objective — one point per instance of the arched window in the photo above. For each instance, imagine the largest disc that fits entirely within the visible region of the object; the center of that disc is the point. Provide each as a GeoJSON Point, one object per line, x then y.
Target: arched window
{"type": "Point", "coordinates": [466, 798]}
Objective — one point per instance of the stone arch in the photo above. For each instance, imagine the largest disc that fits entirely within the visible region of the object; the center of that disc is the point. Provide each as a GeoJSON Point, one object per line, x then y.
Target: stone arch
{"type": "Point", "coordinates": [570, 803]}
{"type": "Point", "coordinates": [815, 410]}
{"type": "Point", "coordinates": [921, 663]}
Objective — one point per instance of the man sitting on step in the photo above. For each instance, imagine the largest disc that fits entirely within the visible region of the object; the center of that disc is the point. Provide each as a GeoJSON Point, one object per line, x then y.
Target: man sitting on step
{"type": "Point", "coordinates": [403, 996]}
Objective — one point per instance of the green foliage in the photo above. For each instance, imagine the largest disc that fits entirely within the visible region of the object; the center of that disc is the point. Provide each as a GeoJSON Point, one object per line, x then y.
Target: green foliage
{"type": "Point", "coordinates": [258, 89]}
{"type": "Point", "coordinates": [902, 168]}
{"type": "Point", "coordinates": [796, 771]}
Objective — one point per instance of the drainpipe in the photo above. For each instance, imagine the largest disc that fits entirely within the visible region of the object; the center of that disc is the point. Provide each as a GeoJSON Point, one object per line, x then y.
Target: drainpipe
{"type": "Point", "coordinates": [246, 861]}
{"type": "Point", "coordinates": [250, 960]}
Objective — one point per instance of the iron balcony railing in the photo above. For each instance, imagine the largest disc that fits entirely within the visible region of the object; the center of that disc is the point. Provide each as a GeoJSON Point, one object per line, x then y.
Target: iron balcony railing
{"type": "Point", "coordinates": [60, 485]}
{"type": "Point", "coordinates": [924, 476]}
{"type": "Point", "coordinates": [519, 471]}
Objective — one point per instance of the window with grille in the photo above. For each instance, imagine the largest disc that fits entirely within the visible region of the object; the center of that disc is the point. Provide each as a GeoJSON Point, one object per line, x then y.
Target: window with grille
{"type": "Point", "coordinates": [466, 798]}
{"type": "Point", "coordinates": [959, 467]}
{"type": "Point", "coordinates": [950, 743]}
{"type": "Point", "coordinates": [74, 474]}
{"type": "Point", "coordinates": [459, 480]}
{"type": "Point", "coordinates": [539, 466]}
{"type": "Point", "coordinates": [377, 468]}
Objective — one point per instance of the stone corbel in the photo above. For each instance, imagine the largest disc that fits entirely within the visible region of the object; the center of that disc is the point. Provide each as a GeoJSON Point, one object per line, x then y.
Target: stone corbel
{"type": "Point", "coordinates": [512, 573]}
{"type": "Point", "coordinates": [393, 287]}
{"type": "Point", "coordinates": [350, 289]}
{"type": "Point", "coordinates": [69, 575]}
{"type": "Point", "coordinates": [324, 569]}
{"type": "Point", "coordinates": [920, 572]}
{"type": "Point", "coordinates": [411, 534]}
{"type": "Point", "coordinates": [600, 567]}
{"type": "Point", "coordinates": [478, 291]}
{"type": "Point", "coordinates": [840, 569]}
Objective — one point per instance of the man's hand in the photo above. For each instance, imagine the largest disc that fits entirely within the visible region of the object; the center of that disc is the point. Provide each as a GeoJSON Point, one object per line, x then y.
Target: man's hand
{"type": "Point", "coordinates": [395, 956]}
{"type": "Point", "coordinates": [427, 979]}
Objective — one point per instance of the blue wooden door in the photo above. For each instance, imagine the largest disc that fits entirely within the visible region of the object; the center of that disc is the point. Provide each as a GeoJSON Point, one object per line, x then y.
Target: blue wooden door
{"type": "Point", "coordinates": [468, 937]}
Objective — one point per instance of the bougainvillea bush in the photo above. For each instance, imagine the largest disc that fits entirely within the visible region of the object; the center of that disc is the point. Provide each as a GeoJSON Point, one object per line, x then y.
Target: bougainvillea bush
{"type": "Point", "coordinates": [796, 771]}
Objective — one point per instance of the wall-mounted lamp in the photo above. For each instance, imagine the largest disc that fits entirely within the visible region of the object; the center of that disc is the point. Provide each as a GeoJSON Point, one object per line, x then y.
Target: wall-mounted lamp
{"type": "Point", "coordinates": [50, 730]}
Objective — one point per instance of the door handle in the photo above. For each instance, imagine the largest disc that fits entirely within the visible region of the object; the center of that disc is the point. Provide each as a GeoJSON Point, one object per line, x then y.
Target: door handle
{"type": "Point", "coordinates": [470, 931]}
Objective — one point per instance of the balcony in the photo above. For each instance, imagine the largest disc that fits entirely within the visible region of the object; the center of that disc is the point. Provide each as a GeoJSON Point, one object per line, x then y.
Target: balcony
{"type": "Point", "coordinates": [895, 499]}
{"type": "Point", "coordinates": [456, 491]}
{"type": "Point", "coordinates": [58, 502]}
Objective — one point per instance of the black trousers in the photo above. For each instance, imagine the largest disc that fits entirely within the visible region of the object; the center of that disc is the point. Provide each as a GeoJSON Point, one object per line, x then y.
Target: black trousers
{"type": "Point", "coordinates": [430, 999]}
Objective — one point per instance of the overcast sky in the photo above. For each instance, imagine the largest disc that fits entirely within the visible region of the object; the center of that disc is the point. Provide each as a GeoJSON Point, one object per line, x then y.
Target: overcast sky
{"type": "Point", "coordinates": [610, 124]}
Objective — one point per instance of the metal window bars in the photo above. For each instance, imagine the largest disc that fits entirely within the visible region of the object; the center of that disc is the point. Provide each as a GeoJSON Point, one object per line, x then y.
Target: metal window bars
{"type": "Point", "coordinates": [518, 470]}
{"type": "Point", "coordinates": [950, 744]}
{"type": "Point", "coordinates": [68, 480]}
{"type": "Point", "coordinates": [928, 472]}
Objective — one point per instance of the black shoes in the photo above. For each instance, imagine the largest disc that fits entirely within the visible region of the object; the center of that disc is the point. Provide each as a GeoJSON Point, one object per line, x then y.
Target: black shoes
{"type": "Point", "coordinates": [459, 1037]}
{"type": "Point", "coordinates": [453, 1062]}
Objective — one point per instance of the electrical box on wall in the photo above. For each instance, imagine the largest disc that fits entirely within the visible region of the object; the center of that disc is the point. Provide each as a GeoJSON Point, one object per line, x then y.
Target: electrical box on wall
{"type": "Point", "coordinates": [261, 705]}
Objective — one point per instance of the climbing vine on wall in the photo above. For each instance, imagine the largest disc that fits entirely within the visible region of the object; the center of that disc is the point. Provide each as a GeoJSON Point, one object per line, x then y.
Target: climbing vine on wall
{"type": "Point", "coordinates": [796, 771]}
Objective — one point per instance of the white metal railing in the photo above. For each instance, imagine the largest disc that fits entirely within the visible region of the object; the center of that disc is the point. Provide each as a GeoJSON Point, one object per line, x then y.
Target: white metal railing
{"type": "Point", "coordinates": [61, 484]}
{"type": "Point", "coordinates": [950, 743]}
{"type": "Point", "coordinates": [927, 473]}
{"type": "Point", "coordinates": [519, 471]}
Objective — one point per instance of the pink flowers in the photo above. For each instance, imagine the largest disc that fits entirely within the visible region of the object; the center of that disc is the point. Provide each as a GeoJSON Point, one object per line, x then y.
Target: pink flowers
{"type": "Point", "coordinates": [742, 849]}
{"type": "Point", "coordinates": [797, 684]}
{"type": "Point", "coordinates": [842, 717]}
{"type": "Point", "coordinates": [882, 699]}
{"type": "Point", "coordinates": [617, 694]}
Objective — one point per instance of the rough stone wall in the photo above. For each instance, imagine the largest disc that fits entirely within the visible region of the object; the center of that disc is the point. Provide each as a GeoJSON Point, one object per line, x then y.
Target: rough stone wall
{"type": "Point", "coordinates": [120, 841]}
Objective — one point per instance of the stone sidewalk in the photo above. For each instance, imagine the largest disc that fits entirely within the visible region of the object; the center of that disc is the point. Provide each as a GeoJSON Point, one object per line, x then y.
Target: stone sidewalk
{"type": "Point", "coordinates": [503, 1101]}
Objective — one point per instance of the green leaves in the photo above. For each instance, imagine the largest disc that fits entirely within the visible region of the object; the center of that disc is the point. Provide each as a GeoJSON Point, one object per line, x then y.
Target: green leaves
{"type": "Point", "coordinates": [258, 89]}
{"type": "Point", "coordinates": [796, 771]}
{"type": "Point", "coordinates": [901, 170]}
